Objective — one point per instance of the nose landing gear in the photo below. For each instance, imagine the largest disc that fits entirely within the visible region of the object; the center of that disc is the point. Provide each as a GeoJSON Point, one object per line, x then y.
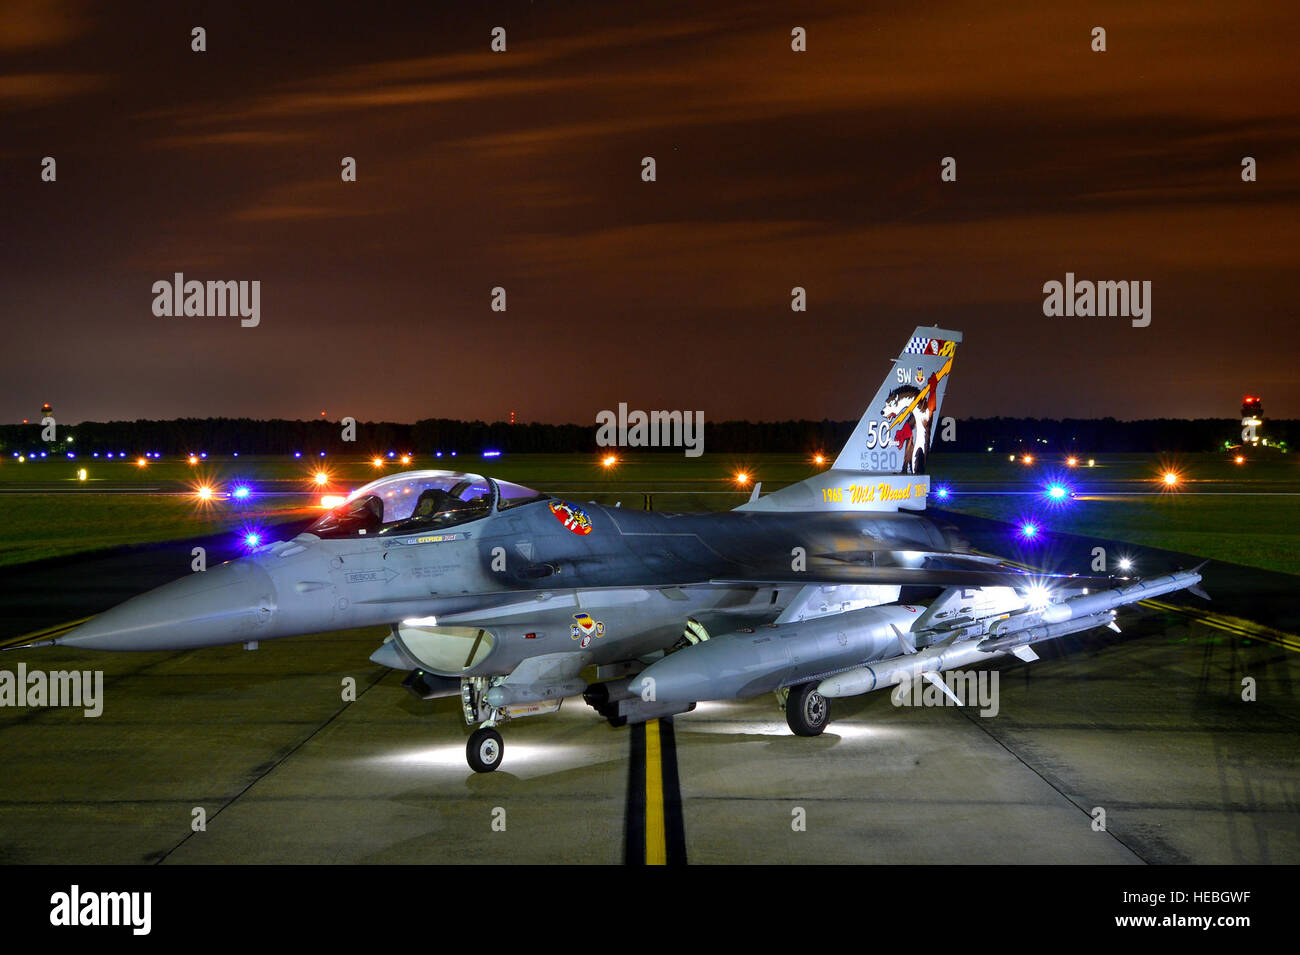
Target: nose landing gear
{"type": "Point", "coordinates": [484, 750]}
{"type": "Point", "coordinates": [485, 747]}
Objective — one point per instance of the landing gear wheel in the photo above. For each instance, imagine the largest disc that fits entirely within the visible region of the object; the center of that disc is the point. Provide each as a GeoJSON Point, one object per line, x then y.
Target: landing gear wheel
{"type": "Point", "coordinates": [806, 711]}
{"type": "Point", "coordinates": [484, 749]}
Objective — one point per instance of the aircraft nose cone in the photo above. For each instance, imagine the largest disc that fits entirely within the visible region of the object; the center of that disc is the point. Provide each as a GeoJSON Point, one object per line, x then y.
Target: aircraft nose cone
{"type": "Point", "coordinates": [230, 603]}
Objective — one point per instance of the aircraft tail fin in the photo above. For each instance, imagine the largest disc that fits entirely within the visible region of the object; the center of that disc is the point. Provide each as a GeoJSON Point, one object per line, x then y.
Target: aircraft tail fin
{"type": "Point", "coordinates": [882, 466]}
{"type": "Point", "coordinates": [897, 431]}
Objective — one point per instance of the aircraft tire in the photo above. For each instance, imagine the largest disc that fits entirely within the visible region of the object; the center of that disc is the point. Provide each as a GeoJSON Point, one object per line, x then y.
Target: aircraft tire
{"type": "Point", "coordinates": [807, 712]}
{"type": "Point", "coordinates": [484, 750]}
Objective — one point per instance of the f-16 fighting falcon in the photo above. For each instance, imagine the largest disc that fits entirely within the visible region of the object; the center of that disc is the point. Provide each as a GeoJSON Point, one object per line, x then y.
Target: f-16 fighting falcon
{"type": "Point", "coordinates": [505, 596]}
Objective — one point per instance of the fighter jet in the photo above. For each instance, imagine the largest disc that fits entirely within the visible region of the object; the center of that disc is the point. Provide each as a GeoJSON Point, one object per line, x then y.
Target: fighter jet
{"type": "Point", "coordinates": [504, 596]}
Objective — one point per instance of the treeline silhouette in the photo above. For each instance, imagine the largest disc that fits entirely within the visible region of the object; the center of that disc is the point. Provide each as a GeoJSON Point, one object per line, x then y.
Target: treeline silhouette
{"type": "Point", "coordinates": [224, 436]}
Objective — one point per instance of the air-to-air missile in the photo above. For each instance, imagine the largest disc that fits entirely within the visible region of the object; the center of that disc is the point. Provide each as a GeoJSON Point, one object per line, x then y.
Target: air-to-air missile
{"type": "Point", "coordinates": [856, 652]}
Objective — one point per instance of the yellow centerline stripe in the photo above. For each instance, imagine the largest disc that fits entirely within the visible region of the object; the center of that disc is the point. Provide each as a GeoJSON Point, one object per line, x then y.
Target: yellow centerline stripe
{"type": "Point", "coordinates": [1284, 640]}
{"type": "Point", "coordinates": [656, 843]}
{"type": "Point", "coordinates": [1277, 643]}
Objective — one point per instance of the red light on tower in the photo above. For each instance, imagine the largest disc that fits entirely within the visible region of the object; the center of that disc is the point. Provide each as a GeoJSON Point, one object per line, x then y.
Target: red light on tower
{"type": "Point", "coordinates": [512, 417]}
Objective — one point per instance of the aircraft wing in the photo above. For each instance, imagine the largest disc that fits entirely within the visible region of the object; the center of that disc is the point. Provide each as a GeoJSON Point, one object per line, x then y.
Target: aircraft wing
{"type": "Point", "coordinates": [958, 576]}
{"type": "Point", "coordinates": [959, 570]}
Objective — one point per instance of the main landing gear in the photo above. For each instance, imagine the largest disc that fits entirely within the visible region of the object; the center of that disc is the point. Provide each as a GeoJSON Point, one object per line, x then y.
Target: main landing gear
{"type": "Point", "coordinates": [807, 712]}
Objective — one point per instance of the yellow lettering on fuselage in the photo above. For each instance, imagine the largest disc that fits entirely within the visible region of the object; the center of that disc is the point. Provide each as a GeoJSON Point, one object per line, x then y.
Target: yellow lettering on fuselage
{"type": "Point", "coordinates": [888, 493]}
{"type": "Point", "coordinates": [868, 493]}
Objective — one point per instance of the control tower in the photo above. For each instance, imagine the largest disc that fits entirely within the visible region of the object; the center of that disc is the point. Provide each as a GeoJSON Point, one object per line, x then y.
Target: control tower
{"type": "Point", "coordinates": [1252, 421]}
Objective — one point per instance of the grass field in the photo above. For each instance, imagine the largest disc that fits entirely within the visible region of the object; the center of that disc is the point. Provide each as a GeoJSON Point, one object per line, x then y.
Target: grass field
{"type": "Point", "coordinates": [1239, 530]}
{"type": "Point", "coordinates": [1245, 514]}
{"type": "Point", "coordinates": [568, 469]}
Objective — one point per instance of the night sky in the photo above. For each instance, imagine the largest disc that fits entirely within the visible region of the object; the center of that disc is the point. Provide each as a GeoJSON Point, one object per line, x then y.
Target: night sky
{"type": "Point", "coordinates": [523, 169]}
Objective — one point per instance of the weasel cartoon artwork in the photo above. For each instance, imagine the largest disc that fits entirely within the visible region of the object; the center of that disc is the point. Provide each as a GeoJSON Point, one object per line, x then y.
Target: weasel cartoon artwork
{"type": "Point", "coordinates": [913, 436]}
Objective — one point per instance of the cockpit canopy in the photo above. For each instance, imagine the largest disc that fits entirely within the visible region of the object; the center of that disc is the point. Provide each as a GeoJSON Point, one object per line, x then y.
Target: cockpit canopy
{"type": "Point", "coordinates": [417, 501]}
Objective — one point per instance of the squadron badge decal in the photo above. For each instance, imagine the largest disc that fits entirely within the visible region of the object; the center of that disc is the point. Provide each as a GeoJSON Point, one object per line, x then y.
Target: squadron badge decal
{"type": "Point", "coordinates": [584, 628]}
{"type": "Point", "coordinates": [572, 517]}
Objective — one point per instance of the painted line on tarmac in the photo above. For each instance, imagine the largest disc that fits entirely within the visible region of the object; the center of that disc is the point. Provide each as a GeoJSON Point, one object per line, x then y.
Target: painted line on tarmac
{"type": "Point", "coordinates": [1229, 625]}
{"type": "Point", "coordinates": [656, 847]}
{"type": "Point", "coordinates": [654, 831]}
